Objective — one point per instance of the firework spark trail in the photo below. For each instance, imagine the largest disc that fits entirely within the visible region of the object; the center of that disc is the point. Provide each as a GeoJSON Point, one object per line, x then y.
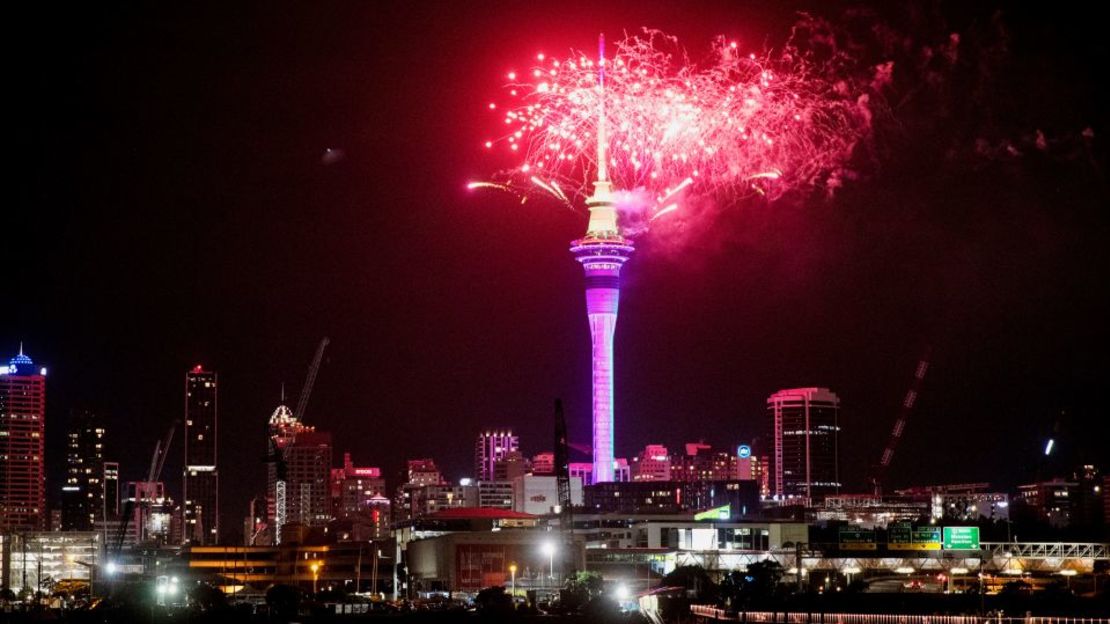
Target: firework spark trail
{"type": "Point", "coordinates": [733, 125]}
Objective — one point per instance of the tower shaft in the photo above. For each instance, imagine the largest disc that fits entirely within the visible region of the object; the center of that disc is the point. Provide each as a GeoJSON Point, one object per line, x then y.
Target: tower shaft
{"type": "Point", "coordinates": [602, 260]}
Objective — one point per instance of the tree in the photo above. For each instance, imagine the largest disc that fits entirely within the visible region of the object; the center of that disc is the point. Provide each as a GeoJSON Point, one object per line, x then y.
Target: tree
{"type": "Point", "coordinates": [208, 598]}
{"type": "Point", "coordinates": [695, 580]}
{"type": "Point", "coordinates": [494, 601]}
{"type": "Point", "coordinates": [757, 585]}
{"type": "Point", "coordinates": [283, 600]}
{"type": "Point", "coordinates": [579, 590]}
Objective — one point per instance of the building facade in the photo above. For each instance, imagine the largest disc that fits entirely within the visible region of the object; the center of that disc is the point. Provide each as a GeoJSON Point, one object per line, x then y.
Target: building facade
{"type": "Point", "coordinates": [111, 490]}
{"type": "Point", "coordinates": [201, 489]}
{"type": "Point", "coordinates": [543, 463]}
{"type": "Point", "coordinates": [671, 497]}
{"type": "Point", "coordinates": [299, 488]}
{"type": "Point", "coordinates": [539, 494]}
{"type": "Point", "coordinates": [805, 422]}
{"type": "Point", "coordinates": [22, 445]}
{"type": "Point", "coordinates": [652, 464]}
{"type": "Point", "coordinates": [491, 448]}
{"type": "Point", "coordinates": [1051, 502]}
{"type": "Point", "coordinates": [83, 492]}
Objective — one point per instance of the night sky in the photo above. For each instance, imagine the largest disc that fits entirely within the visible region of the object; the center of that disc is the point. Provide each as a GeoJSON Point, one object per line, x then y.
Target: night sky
{"type": "Point", "coordinates": [173, 202]}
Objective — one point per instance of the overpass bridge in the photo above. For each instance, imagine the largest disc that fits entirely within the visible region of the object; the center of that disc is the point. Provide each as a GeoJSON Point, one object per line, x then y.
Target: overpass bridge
{"type": "Point", "coordinates": [994, 558]}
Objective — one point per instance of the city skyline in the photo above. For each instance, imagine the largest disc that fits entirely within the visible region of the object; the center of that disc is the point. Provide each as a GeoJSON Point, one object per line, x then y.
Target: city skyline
{"type": "Point", "coordinates": [282, 207]}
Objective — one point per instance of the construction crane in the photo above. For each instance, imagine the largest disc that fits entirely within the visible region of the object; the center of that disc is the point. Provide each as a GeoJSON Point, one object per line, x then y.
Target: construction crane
{"type": "Point", "coordinates": [276, 455]}
{"type": "Point", "coordinates": [310, 380]}
{"type": "Point", "coordinates": [562, 477]}
{"type": "Point", "coordinates": [157, 462]}
{"type": "Point", "coordinates": [904, 413]}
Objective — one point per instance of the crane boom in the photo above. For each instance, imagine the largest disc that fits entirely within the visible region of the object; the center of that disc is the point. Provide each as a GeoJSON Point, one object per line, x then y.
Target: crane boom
{"type": "Point", "coordinates": [904, 412]}
{"type": "Point", "coordinates": [157, 461]}
{"type": "Point", "coordinates": [157, 474]}
{"type": "Point", "coordinates": [310, 380]}
{"type": "Point", "coordinates": [562, 478]}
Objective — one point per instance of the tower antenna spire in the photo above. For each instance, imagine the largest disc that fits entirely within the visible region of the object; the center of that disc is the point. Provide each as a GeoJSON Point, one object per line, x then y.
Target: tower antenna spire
{"type": "Point", "coordinates": [602, 129]}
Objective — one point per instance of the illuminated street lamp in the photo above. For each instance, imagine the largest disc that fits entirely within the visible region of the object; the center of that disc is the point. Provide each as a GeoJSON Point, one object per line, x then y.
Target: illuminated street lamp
{"type": "Point", "coordinates": [1067, 574]}
{"type": "Point", "coordinates": [549, 550]}
{"type": "Point", "coordinates": [512, 571]}
{"type": "Point", "coordinates": [315, 567]}
{"type": "Point", "coordinates": [849, 571]}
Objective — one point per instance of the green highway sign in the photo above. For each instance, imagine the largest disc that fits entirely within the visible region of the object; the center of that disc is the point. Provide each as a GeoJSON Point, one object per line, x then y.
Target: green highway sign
{"type": "Point", "coordinates": [903, 537]}
{"type": "Point", "coordinates": [961, 538]}
{"type": "Point", "coordinates": [852, 538]}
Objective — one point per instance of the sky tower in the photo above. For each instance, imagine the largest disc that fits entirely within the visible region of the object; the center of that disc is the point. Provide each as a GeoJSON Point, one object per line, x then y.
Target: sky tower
{"type": "Point", "coordinates": [602, 252]}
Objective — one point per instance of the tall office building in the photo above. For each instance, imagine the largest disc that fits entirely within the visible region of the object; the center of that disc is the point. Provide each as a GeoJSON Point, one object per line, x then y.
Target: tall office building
{"type": "Point", "coordinates": [201, 489]}
{"type": "Point", "coordinates": [22, 451]}
{"type": "Point", "coordinates": [83, 491]}
{"type": "Point", "coordinates": [492, 447]}
{"type": "Point", "coordinates": [806, 426]}
{"type": "Point", "coordinates": [299, 473]}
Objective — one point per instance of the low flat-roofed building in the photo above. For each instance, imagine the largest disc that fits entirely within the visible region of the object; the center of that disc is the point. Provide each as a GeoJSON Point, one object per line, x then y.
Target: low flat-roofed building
{"type": "Point", "coordinates": [676, 532]}
{"type": "Point", "coordinates": [461, 520]}
{"type": "Point", "coordinates": [343, 564]}
{"type": "Point", "coordinates": [870, 511]}
{"type": "Point", "coordinates": [539, 494]}
{"type": "Point", "coordinates": [34, 560]}
{"type": "Point", "coordinates": [468, 562]}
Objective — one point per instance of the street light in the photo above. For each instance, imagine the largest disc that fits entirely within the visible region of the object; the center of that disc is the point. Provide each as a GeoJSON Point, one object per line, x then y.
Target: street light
{"type": "Point", "coordinates": [315, 567]}
{"type": "Point", "coordinates": [849, 571]}
{"type": "Point", "coordinates": [512, 571]}
{"type": "Point", "coordinates": [549, 550]}
{"type": "Point", "coordinates": [1067, 574]}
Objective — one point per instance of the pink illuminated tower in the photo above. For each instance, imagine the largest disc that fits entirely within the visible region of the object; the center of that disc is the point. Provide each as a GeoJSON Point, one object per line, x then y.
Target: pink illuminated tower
{"type": "Point", "coordinates": [602, 252]}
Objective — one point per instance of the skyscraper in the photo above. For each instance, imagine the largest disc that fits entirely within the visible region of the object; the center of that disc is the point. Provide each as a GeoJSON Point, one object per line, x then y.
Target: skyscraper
{"type": "Point", "coordinates": [492, 447]}
{"type": "Point", "coordinates": [201, 489]}
{"type": "Point", "coordinates": [805, 422]}
{"type": "Point", "coordinates": [22, 451]}
{"type": "Point", "coordinates": [299, 474]}
{"type": "Point", "coordinates": [83, 491]}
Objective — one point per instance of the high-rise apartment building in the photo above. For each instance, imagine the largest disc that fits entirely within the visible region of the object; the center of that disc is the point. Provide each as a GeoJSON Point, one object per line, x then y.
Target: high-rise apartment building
{"type": "Point", "coordinates": [201, 490]}
{"type": "Point", "coordinates": [22, 450]}
{"type": "Point", "coordinates": [492, 447]}
{"type": "Point", "coordinates": [299, 473]}
{"type": "Point", "coordinates": [83, 490]}
{"type": "Point", "coordinates": [805, 422]}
